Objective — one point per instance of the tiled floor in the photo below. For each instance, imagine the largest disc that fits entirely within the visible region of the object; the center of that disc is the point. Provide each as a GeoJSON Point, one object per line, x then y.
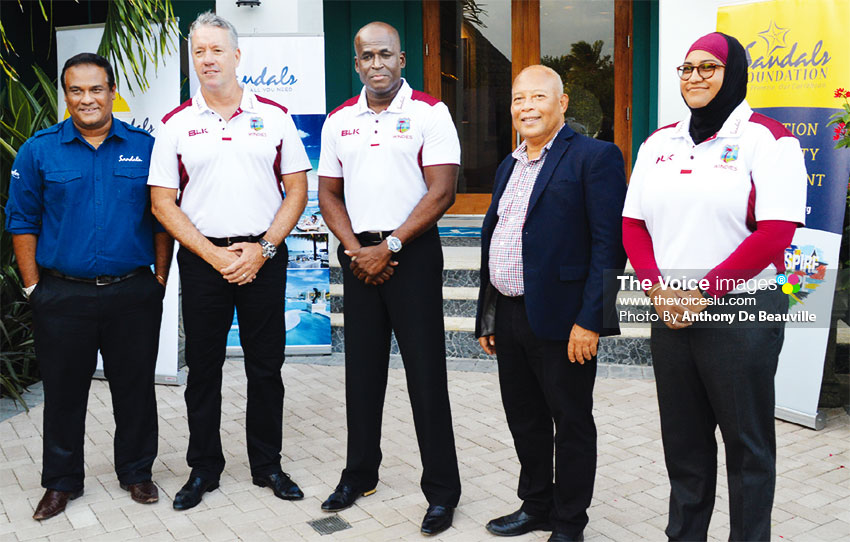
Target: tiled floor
{"type": "Point", "coordinates": [630, 500]}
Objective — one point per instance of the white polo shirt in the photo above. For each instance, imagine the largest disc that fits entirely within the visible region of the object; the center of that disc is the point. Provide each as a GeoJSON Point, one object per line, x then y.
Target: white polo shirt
{"type": "Point", "coordinates": [228, 170]}
{"type": "Point", "coordinates": [697, 200]}
{"type": "Point", "coordinates": [381, 155]}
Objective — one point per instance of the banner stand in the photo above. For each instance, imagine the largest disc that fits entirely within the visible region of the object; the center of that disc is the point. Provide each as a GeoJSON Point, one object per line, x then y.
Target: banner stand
{"type": "Point", "coordinates": [815, 421]}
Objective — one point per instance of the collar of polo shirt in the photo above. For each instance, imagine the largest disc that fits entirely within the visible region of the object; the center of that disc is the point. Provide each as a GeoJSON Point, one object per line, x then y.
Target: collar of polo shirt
{"type": "Point", "coordinates": [396, 106]}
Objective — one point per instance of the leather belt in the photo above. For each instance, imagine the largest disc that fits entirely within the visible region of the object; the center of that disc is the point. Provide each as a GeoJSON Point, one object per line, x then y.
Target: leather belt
{"type": "Point", "coordinates": [373, 237]}
{"type": "Point", "coordinates": [227, 241]}
{"type": "Point", "coordinates": [101, 280]}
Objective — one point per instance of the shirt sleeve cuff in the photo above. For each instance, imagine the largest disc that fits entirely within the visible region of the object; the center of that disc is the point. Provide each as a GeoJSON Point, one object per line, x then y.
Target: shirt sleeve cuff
{"type": "Point", "coordinates": [162, 182]}
{"type": "Point", "coordinates": [17, 226]}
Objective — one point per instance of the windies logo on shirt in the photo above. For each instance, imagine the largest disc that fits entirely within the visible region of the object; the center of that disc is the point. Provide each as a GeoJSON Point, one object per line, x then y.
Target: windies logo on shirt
{"type": "Point", "coordinates": [257, 123]}
{"type": "Point", "coordinates": [403, 125]}
{"type": "Point", "coordinates": [730, 153]}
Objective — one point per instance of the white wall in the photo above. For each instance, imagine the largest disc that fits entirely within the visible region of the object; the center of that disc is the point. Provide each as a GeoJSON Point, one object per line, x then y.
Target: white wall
{"type": "Point", "coordinates": [274, 17]}
{"type": "Point", "coordinates": [680, 23]}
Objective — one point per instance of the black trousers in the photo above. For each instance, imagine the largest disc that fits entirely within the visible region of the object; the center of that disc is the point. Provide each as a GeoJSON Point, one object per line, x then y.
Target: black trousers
{"type": "Point", "coordinates": [208, 304]}
{"type": "Point", "coordinates": [411, 305]}
{"type": "Point", "coordinates": [547, 399]}
{"type": "Point", "coordinates": [708, 376]}
{"type": "Point", "coordinates": [72, 321]}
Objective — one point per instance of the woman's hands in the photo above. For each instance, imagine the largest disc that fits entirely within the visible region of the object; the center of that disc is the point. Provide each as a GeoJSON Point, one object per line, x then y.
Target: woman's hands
{"type": "Point", "coordinates": [672, 304]}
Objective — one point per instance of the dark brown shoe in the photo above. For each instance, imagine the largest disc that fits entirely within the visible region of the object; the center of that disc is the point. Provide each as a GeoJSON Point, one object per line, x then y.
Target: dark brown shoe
{"type": "Point", "coordinates": [53, 503]}
{"type": "Point", "coordinates": [143, 492]}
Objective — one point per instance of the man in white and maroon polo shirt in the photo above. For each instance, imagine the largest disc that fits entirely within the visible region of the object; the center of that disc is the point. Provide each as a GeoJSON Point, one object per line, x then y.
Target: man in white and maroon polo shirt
{"type": "Point", "coordinates": [387, 173]}
{"type": "Point", "coordinates": [216, 173]}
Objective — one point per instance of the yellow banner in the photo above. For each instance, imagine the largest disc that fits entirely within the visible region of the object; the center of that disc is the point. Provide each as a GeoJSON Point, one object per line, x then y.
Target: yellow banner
{"type": "Point", "coordinates": [797, 49]}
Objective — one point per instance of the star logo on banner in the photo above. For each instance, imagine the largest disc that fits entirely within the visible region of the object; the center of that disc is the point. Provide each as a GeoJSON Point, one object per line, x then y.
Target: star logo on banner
{"type": "Point", "coordinates": [774, 36]}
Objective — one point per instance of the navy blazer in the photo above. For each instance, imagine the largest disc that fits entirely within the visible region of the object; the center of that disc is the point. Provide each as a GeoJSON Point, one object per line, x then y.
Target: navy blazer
{"type": "Point", "coordinates": [572, 234]}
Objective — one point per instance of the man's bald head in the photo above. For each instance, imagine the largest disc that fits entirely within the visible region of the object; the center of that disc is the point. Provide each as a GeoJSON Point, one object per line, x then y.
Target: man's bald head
{"type": "Point", "coordinates": [540, 76]}
{"type": "Point", "coordinates": [377, 31]}
{"type": "Point", "coordinates": [538, 104]}
{"type": "Point", "coordinates": [379, 60]}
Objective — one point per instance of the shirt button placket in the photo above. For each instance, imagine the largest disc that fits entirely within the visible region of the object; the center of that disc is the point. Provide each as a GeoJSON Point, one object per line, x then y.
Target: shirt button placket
{"type": "Point", "coordinates": [98, 169]}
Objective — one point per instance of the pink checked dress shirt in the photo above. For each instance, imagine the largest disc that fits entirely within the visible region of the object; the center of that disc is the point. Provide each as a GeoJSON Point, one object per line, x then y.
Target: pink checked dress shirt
{"type": "Point", "coordinates": [506, 244]}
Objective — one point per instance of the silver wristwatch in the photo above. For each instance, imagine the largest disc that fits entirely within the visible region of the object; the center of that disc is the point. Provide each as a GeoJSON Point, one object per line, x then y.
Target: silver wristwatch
{"type": "Point", "coordinates": [269, 249]}
{"type": "Point", "coordinates": [28, 290]}
{"type": "Point", "coordinates": [393, 243]}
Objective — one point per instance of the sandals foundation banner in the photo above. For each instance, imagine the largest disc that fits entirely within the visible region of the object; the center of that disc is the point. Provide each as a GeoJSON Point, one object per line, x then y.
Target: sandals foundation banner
{"type": "Point", "coordinates": [290, 70]}
{"type": "Point", "coordinates": [798, 56]}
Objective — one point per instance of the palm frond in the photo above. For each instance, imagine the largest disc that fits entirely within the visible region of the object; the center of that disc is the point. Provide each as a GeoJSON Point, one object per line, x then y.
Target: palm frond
{"type": "Point", "coordinates": [136, 33]}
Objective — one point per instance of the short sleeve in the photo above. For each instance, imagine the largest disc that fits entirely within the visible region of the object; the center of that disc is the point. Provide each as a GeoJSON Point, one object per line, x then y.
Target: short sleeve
{"type": "Point", "coordinates": [164, 169]}
{"type": "Point", "coordinates": [25, 205]}
{"type": "Point", "coordinates": [441, 145]}
{"type": "Point", "coordinates": [632, 207]}
{"type": "Point", "coordinates": [779, 174]}
{"type": "Point", "coordinates": [329, 164]}
{"type": "Point", "coordinates": [293, 155]}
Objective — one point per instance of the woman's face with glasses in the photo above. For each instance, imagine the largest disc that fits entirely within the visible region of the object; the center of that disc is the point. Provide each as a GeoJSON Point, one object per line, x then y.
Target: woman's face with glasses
{"type": "Point", "coordinates": [700, 78]}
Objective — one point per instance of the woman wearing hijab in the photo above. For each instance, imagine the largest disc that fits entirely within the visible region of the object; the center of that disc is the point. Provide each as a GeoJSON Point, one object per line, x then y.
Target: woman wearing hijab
{"type": "Point", "coordinates": [716, 198]}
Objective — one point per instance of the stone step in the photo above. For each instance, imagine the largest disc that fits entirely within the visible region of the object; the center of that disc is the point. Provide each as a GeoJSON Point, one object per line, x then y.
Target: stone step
{"type": "Point", "coordinates": [451, 277]}
{"type": "Point", "coordinates": [629, 349]}
{"type": "Point", "coordinates": [457, 301]}
{"type": "Point", "coordinates": [463, 301]}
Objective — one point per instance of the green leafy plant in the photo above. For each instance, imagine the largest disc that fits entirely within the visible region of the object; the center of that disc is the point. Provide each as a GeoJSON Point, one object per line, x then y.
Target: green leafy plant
{"type": "Point", "coordinates": [137, 33]}
{"type": "Point", "coordinates": [841, 120]}
{"type": "Point", "coordinates": [24, 112]}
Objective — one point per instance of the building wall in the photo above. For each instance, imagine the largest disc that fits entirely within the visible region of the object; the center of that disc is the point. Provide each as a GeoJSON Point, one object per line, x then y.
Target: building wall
{"type": "Point", "coordinates": [679, 25]}
{"type": "Point", "coordinates": [274, 17]}
{"type": "Point", "coordinates": [644, 72]}
{"type": "Point", "coordinates": [342, 20]}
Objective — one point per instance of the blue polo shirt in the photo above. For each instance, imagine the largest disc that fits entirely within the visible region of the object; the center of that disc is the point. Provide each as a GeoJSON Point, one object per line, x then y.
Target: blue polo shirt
{"type": "Point", "coordinates": [90, 208]}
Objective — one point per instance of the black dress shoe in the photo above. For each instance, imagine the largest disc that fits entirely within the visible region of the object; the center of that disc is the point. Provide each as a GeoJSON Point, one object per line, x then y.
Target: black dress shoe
{"type": "Point", "coordinates": [437, 519]}
{"type": "Point", "coordinates": [343, 497]}
{"type": "Point", "coordinates": [192, 492]}
{"type": "Point", "coordinates": [282, 485]}
{"type": "Point", "coordinates": [564, 537]}
{"type": "Point", "coordinates": [518, 523]}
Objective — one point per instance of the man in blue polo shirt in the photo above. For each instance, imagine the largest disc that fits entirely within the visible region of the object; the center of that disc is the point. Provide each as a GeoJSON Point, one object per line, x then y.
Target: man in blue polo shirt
{"type": "Point", "coordinates": [84, 237]}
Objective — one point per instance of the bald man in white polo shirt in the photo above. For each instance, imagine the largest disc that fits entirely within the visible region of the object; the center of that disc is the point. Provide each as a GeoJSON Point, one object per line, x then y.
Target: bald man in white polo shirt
{"type": "Point", "coordinates": [216, 172]}
{"type": "Point", "coordinates": [388, 171]}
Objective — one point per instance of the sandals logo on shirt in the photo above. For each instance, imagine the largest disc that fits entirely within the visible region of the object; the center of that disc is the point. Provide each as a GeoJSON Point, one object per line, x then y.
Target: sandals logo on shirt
{"type": "Point", "coordinates": [730, 153]}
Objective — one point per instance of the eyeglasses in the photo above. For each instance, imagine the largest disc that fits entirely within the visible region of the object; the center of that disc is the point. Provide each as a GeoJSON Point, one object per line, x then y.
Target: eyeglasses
{"type": "Point", "coordinates": [705, 70]}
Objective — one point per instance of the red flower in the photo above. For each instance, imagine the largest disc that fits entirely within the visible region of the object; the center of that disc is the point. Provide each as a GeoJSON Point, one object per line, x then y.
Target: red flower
{"type": "Point", "coordinates": [839, 92]}
{"type": "Point", "coordinates": [847, 94]}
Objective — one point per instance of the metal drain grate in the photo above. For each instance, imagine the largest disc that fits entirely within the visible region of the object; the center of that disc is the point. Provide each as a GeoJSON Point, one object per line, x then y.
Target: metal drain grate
{"type": "Point", "coordinates": [329, 525]}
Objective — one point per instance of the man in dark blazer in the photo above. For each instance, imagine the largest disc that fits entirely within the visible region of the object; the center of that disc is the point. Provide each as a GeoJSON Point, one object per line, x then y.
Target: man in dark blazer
{"type": "Point", "coordinates": [552, 230]}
